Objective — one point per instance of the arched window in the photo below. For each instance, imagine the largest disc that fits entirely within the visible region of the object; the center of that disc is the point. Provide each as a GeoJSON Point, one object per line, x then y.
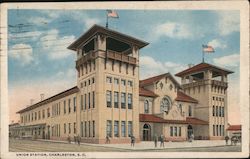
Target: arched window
{"type": "Point", "coordinates": [146, 106]}
{"type": "Point", "coordinates": [165, 104]}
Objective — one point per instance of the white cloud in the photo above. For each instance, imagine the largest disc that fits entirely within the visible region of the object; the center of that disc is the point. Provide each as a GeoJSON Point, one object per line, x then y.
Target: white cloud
{"type": "Point", "coordinates": [89, 22]}
{"type": "Point", "coordinates": [229, 60]}
{"type": "Point", "coordinates": [228, 22]}
{"type": "Point", "coordinates": [56, 46]}
{"type": "Point", "coordinates": [173, 30]}
{"type": "Point", "coordinates": [31, 35]}
{"type": "Point", "coordinates": [22, 52]}
{"type": "Point", "coordinates": [151, 67]}
{"type": "Point", "coordinates": [39, 20]}
{"type": "Point", "coordinates": [216, 43]}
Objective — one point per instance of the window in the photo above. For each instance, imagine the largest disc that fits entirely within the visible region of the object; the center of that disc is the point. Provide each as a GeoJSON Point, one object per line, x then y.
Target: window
{"type": "Point", "coordinates": [146, 106]}
{"type": "Point", "coordinates": [93, 128]}
{"type": "Point", "coordinates": [123, 128]}
{"type": "Point", "coordinates": [116, 80]}
{"type": "Point", "coordinates": [74, 127]}
{"type": "Point", "coordinates": [130, 101]}
{"type": "Point", "coordinates": [130, 128]}
{"type": "Point", "coordinates": [48, 113]}
{"type": "Point", "coordinates": [130, 83]}
{"type": "Point", "coordinates": [116, 128]}
{"type": "Point", "coordinates": [165, 104]}
{"type": "Point", "coordinates": [180, 107]}
{"type": "Point", "coordinates": [43, 114]}
{"type": "Point", "coordinates": [85, 83]}
{"type": "Point", "coordinates": [123, 82]}
{"type": "Point", "coordinates": [89, 128]}
{"type": "Point", "coordinates": [85, 101]}
{"type": "Point", "coordinates": [39, 115]}
{"type": "Point", "coordinates": [69, 128]}
{"type": "Point", "coordinates": [216, 110]}
{"type": "Point", "coordinates": [85, 128]}
{"type": "Point", "coordinates": [219, 111]}
{"type": "Point", "coordinates": [69, 106]}
{"type": "Point", "coordinates": [64, 128]}
{"type": "Point", "coordinates": [89, 100]}
{"type": "Point", "coordinates": [223, 133]}
{"type": "Point", "coordinates": [123, 100]}
{"type": "Point", "coordinates": [64, 106]}
{"type": "Point", "coordinates": [89, 82]}
{"type": "Point", "coordinates": [116, 99]}
{"type": "Point", "coordinates": [35, 115]}
{"type": "Point", "coordinates": [81, 129]}
{"type": "Point", "coordinates": [93, 99]}
{"type": "Point", "coordinates": [32, 117]}
{"type": "Point", "coordinates": [108, 98]}
{"type": "Point", "coordinates": [74, 104]}
{"type": "Point", "coordinates": [213, 130]}
{"type": "Point", "coordinates": [213, 98]}
{"type": "Point", "coordinates": [81, 85]}
{"type": "Point", "coordinates": [175, 131]}
{"type": "Point", "coordinates": [171, 131]}
{"type": "Point", "coordinates": [222, 111]}
{"type": "Point", "coordinates": [109, 79]}
{"type": "Point", "coordinates": [189, 110]}
{"type": "Point", "coordinates": [81, 102]}
{"type": "Point", "coordinates": [109, 128]}
{"type": "Point", "coordinates": [93, 80]}
{"type": "Point", "coordinates": [217, 131]}
{"type": "Point", "coordinates": [179, 131]}
{"type": "Point", "coordinates": [213, 110]}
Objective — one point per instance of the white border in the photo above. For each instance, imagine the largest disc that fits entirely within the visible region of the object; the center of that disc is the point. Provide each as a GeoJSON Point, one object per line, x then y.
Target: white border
{"type": "Point", "coordinates": [243, 6]}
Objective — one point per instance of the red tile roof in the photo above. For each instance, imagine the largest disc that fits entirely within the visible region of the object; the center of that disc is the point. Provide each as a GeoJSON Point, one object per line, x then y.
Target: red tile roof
{"type": "Point", "coordinates": [147, 93]}
{"type": "Point", "coordinates": [51, 99]}
{"type": "Point", "coordinates": [195, 121]}
{"type": "Point", "coordinates": [151, 80]}
{"type": "Point", "coordinates": [201, 67]}
{"type": "Point", "coordinates": [185, 98]}
{"type": "Point", "coordinates": [155, 119]}
{"type": "Point", "coordinates": [234, 128]}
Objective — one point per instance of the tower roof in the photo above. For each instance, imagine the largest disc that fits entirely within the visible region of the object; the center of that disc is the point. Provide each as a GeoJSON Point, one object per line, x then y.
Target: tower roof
{"type": "Point", "coordinates": [202, 67]}
{"type": "Point", "coordinates": [109, 32]}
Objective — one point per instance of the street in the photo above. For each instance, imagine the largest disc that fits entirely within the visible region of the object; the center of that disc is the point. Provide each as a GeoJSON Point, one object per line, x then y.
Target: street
{"type": "Point", "coordinates": [16, 145]}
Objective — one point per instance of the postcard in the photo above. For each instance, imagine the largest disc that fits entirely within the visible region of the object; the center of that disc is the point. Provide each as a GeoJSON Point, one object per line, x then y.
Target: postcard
{"type": "Point", "coordinates": [125, 80]}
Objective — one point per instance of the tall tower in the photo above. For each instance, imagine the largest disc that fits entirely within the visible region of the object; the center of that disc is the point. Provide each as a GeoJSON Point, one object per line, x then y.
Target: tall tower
{"type": "Point", "coordinates": [108, 78]}
{"type": "Point", "coordinates": [208, 84]}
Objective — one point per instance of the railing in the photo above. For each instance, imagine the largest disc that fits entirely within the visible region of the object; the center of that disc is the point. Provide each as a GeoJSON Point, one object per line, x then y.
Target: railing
{"type": "Point", "coordinates": [203, 82]}
{"type": "Point", "coordinates": [120, 57]}
{"type": "Point", "coordinates": [110, 54]}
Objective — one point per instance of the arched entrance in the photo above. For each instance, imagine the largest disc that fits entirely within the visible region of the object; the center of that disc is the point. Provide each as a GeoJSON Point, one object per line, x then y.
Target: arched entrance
{"type": "Point", "coordinates": [190, 131]}
{"type": "Point", "coordinates": [146, 132]}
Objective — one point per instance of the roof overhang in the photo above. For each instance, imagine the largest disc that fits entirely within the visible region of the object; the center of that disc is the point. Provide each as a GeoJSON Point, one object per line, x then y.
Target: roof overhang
{"type": "Point", "coordinates": [95, 29]}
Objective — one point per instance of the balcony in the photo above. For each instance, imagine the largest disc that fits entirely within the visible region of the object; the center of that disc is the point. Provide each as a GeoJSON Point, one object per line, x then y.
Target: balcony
{"type": "Point", "coordinates": [91, 55]}
{"type": "Point", "coordinates": [121, 57]}
{"type": "Point", "coordinates": [219, 83]}
{"type": "Point", "coordinates": [204, 82]}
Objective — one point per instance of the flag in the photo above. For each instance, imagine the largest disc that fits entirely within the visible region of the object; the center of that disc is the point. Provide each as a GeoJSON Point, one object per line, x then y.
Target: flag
{"type": "Point", "coordinates": [207, 49]}
{"type": "Point", "coordinates": [112, 13]}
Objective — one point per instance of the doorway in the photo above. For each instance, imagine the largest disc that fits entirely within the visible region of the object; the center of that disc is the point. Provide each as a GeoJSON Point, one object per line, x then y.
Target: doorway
{"type": "Point", "coordinates": [146, 132]}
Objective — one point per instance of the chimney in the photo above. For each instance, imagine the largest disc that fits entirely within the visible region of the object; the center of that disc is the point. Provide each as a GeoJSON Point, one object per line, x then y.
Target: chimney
{"type": "Point", "coordinates": [42, 96]}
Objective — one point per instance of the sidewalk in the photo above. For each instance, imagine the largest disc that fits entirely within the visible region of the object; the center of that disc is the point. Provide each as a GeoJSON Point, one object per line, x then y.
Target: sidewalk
{"type": "Point", "coordinates": [149, 145]}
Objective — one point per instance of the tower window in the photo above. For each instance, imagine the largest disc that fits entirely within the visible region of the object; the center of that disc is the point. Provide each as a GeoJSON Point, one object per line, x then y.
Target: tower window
{"type": "Point", "coordinates": [109, 79]}
{"type": "Point", "coordinates": [146, 106]}
{"type": "Point", "coordinates": [108, 98]}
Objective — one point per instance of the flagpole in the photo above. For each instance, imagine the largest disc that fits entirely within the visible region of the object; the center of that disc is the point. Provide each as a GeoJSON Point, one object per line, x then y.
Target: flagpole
{"type": "Point", "coordinates": [107, 19]}
{"type": "Point", "coordinates": [203, 54]}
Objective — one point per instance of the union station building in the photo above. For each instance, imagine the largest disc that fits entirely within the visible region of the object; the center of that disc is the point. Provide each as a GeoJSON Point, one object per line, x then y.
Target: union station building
{"type": "Point", "coordinates": [110, 100]}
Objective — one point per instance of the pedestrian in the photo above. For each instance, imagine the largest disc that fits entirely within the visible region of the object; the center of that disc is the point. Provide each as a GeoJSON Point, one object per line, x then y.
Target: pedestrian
{"type": "Point", "coordinates": [78, 139]}
{"type": "Point", "coordinates": [155, 140]}
{"type": "Point", "coordinates": [132, 140]}
{"type": "Point", "coordinates": [226, 139]}
{"type": "Point", "coordinates": [162, 140]}
{"type": "Point", "coordinates": [107, 140]}
{"type": "Point", "coordinates": [69, 140]}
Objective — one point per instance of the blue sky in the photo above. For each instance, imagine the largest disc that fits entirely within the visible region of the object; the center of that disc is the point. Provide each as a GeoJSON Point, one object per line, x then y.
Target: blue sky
{"type": "Point", "coordinates": [38, 41]}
